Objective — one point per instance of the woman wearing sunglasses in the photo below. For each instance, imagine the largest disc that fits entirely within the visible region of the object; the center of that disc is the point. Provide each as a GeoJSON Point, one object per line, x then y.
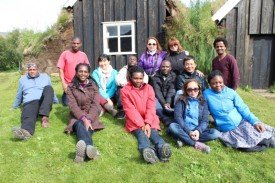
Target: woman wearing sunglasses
{"type": "Point", "coordinates": [176, 55]}
{"type": "Point", "coordinates": [191, 118]}
{"type": "Point", "coordinates": [151, 59]}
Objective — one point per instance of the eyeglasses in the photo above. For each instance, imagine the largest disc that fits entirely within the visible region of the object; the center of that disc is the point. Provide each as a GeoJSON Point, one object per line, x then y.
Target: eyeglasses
{"type": "Point", "coordinates": [192, 89]}
{"type": "Point", "coordinates": [150, 44]}
{"type": "Point", "coordinates": [173, 45]}
{"type": "Point", "coordinates": [29, 65]}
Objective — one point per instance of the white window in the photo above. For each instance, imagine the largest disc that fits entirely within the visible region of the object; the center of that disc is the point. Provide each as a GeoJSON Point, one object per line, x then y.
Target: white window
{"type": "Point", "coordinates": [119, 37]}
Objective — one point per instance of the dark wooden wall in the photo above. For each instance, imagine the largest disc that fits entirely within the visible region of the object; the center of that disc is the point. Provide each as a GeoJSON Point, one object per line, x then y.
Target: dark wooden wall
{"type": "Point", "coordinates": [89, 14]}
{"type": "Point", "coordinates": [244, 23]}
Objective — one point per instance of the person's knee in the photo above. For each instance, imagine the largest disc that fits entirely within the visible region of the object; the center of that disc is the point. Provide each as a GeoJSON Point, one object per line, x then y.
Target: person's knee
{"type": "Point", "coordinates": [48, 90]}
{"type": "Point", "coordinates": [173, 128]}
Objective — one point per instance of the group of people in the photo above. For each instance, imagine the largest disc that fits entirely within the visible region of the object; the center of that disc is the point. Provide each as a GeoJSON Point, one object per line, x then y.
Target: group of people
{"type": "Point", "coordinates": [159, 86]}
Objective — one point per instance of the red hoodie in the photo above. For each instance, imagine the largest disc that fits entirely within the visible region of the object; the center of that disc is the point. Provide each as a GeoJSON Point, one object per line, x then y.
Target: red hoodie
{"type": "Point", "coordinates": [139, 105]}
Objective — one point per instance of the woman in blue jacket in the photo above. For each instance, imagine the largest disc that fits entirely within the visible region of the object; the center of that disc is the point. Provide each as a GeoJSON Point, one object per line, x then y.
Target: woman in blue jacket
{"type": "Point", "coordinates": [240, 128]}
{"type": "Point", "coordinates": [191, 118]}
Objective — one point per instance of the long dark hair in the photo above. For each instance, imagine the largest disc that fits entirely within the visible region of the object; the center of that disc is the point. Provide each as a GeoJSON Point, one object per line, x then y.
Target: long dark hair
{"type": "Point", "coordinates": [75, 80]}
{"type": "Point", "coordinates": [185, 96]}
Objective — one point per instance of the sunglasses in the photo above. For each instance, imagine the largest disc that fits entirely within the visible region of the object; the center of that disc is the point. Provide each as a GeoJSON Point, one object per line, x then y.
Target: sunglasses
{"type": "Point", "coordinates": [192, 89]}
{"type": "Point", "coordinates": [150, 44]}
{"type": "Point", "coordinates": [173, 45]}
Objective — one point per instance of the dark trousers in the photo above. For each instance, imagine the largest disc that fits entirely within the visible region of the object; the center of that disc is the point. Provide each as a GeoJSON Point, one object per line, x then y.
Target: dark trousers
{"type": "Point", "coordinates": [144, 141]}
{"type": "Point", "coordinates": [32, 109]}
{"type": "Point", "coordinates": [119, 105]}
{"type": "Point", "coordinates": [82, 133]}
{"type": "Point", "coordinates": [64, 99]}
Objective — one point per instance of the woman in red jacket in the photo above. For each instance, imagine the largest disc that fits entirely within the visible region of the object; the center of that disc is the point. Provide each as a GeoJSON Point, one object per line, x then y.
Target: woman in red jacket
{"type": "Point", "coordinates": [83, 101]}
{"type": "Point", "coordinates": [138, 100]}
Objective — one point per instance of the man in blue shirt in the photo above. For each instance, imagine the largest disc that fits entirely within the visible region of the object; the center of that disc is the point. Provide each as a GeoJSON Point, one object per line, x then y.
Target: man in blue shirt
{"type": "Point", "coordinates": [36, 94]}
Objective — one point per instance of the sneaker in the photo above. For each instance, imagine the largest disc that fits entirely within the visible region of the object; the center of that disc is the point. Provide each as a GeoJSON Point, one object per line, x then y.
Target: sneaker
{"type": "Point", "coordinates": [165, 152]}
{"type": "Point", "coordinates": [21, 134]}
{"type": "Point", "coordinates": [92, 153]}
{"type": "Point", "coordinates": [120, 115]}
{"type": "Point", "coordinates": [179, 143]}
{"type": "Point", "coordinates": [45, 122]}
{"type": "Point", "coordinates": [149, 155]}
{"type": "Point", "coordinates": [80, 151]}
{"type": "Point", "coordinates": [202, 147]}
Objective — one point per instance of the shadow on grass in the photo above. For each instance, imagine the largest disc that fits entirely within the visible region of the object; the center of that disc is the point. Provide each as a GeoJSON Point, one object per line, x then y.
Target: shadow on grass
{"type": "Point", "coordinates": [62, 113]}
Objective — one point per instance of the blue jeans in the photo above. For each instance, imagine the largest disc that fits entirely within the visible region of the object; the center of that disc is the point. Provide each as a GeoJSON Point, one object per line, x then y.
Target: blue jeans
{"type": "Point", "coordinates": [144, 141]}
{"type": "Point", "coordinates": [82, 133]}
{"type": "Point", "coordinates": [64, 99]}
{"type": "Point", "coordinates": [164, 117]}
{"type": "Point", "coordinates": [206, 135]}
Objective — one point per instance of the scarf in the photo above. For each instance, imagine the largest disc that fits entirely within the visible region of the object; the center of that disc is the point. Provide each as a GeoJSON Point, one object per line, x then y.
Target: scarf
{"type": "Point", "coordinates": [105, 75]}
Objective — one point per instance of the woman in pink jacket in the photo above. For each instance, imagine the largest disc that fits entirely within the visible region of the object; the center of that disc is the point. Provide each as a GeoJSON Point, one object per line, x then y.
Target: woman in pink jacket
{"type": "Point", "coordinates": [138, 100]}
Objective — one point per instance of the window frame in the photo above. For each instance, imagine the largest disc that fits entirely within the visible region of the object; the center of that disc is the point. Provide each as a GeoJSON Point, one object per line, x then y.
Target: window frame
{"type": "Point", "coordinates": [118, 24]}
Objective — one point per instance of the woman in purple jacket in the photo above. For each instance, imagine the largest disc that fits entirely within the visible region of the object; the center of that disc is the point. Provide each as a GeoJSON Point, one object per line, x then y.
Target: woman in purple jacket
{"type": "Point", "coordinates": [151, 59]}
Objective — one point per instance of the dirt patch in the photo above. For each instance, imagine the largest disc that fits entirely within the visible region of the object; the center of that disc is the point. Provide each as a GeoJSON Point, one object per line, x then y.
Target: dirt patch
{"type": "Point", "coordinates": [265, 93]}
{"type": "Point", "coordinates": [47, 59]}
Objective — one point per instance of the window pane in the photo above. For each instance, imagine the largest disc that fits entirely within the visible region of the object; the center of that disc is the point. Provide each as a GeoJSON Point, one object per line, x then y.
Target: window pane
{"type": "Point", "coordinates": [112, 43]}
{"type": "Point", "coordinates": [126, 44]}
{"type": "Point", "coordinates": [112, 30]}
{"type": "Point", "coordinates": [125, 30]}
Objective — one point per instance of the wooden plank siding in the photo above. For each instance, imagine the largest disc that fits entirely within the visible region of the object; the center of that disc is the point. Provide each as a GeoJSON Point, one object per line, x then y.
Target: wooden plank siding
{"type": "Point", "coordinates": [255, 16]}
{"type": "Point", "coordinates": [250, 31]}
{"type": "Point", "coordinates": [267, 16]}
{"type": "Point", "coordinates": [78, 17]}
{"type": "Point", "coordinates": [89, 15]}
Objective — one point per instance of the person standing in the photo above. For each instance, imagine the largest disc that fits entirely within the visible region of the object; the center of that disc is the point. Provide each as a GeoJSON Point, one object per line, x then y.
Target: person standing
{"type": "Point", "coordinates": [176, 54]}
{"type": "Point", "coordinates": [151, 59]}
{"type": "Point", "coordinates": [226, 63]}
{"type": "Point", "coordinates": [36, 93]}
{"type": "Point", "coordinates": [67, 63]}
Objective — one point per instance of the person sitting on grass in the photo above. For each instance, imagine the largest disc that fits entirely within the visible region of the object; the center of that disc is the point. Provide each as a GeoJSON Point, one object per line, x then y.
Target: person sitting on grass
{"type": "Point", "coordinates": [122, 80]}
{"type": "Point", "coordinates": [36, 93]}
{"type": "Point", "coordinates": [239, 127]}
{"type": "Point", "coordinates": [164, 87]}
{"type": "Point", "coordinates": [83, 101]}
{"type": "Point", "coordinates": [105, 76]}
{"type": "Point", "coordinates": [138, 101]}
{"type": "Point", "coordinates": [191, 118]}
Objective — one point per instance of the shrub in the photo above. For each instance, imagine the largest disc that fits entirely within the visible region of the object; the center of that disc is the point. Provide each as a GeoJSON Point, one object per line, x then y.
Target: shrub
{"type": "Point", "coordinates": [196, 31]}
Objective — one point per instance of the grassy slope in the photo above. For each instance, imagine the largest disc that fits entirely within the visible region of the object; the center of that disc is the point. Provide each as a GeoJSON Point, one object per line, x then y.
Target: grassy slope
{"type": "Point", "coordinates": [48, 156]}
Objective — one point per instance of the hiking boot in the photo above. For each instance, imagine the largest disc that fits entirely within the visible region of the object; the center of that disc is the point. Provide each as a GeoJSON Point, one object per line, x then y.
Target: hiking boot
{"type": "Point", "coordinates": [21, 134]}
{"type": "Point", "coordinates": [110, 109]}
{"type": "Point", "coordinates": [92, 153]}
{"type": "Point", "coordinates": [202, 147]}
{"type": "Point", "coordinates": [45, 122]}
{"type": "Point", "coordinates": [149, 155]}
{"type": "Point", "coordinates": [164, 152]}
{"type": "Point", "coordinates": [80, 151]}
{"type": "Point", "coordinates": [120, 115]}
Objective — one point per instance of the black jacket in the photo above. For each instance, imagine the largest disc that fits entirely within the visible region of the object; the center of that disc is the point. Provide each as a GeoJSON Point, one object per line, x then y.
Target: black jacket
{"type": "Point", "coordinates": [164, 89]}
{"type": "Point", "coordinates": [176, 59]}
{"type": "Point", "coordinates": [181, 79]}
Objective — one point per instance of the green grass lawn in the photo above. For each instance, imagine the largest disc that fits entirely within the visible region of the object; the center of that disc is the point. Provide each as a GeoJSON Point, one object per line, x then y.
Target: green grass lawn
{"type": "Point", "coordinates": [48, 156]}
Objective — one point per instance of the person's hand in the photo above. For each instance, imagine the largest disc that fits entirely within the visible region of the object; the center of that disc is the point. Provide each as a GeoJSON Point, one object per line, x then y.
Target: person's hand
{"type": "Point", "coordinates": [195, 135]}
{"type": "Point", "coordinates": [167, 106]}
{"type": "Point", "coordinates": [147, 130]}
{"type": "Point", "coordinates": [110, 102]}
{"type": "Point", "coordinates": [87, 124]}
{"type": "Point", "coordinates": [64, 86]}
{"type": "Point", "coordinates": [200, 73]}
{"type": "Point", "coordinates": [260, 127]}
